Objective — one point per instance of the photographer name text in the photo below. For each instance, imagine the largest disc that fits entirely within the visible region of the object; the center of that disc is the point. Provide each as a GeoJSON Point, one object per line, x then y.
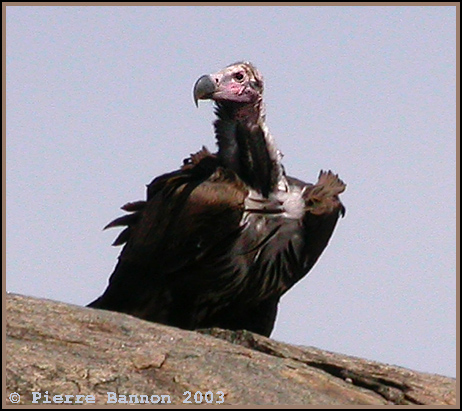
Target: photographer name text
{"type": "Point", "coordinates": [189, 397]}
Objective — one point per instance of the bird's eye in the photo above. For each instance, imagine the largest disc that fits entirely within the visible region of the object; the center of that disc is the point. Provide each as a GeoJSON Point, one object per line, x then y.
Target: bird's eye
{"type": "Point", "coordinates": [239, 76]}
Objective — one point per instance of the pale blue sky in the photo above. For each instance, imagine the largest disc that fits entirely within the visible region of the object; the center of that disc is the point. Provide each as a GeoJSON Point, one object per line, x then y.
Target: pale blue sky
{"type": "Point", "coordinates": [99, 102]}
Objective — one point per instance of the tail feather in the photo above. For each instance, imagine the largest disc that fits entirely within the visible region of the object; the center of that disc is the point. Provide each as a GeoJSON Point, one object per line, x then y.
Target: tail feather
{"type": "Point", "coordinates": [322, 198]}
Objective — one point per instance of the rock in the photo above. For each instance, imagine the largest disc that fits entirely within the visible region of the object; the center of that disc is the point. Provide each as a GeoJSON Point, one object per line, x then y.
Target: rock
{"type": "Point", "coordinates": [60, 353]}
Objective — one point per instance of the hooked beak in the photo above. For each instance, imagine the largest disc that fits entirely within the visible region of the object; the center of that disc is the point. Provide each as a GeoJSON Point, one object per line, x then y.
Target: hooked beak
{"type": "Point", "coordinates": [204, 88]}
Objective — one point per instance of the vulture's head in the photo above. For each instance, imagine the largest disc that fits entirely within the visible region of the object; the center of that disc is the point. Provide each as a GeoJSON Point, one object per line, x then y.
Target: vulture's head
{"type": "Point", "coordinates": [238, 84]}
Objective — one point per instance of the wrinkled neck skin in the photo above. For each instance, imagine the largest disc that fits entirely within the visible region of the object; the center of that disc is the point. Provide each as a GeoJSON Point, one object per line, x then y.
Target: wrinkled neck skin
{"type": "Point", "coordinates": [246, 146]}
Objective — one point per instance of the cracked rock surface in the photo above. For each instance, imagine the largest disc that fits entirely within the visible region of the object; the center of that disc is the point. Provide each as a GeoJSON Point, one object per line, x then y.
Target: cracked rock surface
{"type": "Point", "coordinates": [57, 349]}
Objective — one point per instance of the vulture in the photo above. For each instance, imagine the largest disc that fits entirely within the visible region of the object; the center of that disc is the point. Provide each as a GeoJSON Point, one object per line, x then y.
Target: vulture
{"type": "Point", "coordinates": [217, 242]}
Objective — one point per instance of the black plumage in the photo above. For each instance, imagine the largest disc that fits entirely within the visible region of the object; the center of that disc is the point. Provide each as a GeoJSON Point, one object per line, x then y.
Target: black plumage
{"type": "Point", "coordinates": [219, 241]}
